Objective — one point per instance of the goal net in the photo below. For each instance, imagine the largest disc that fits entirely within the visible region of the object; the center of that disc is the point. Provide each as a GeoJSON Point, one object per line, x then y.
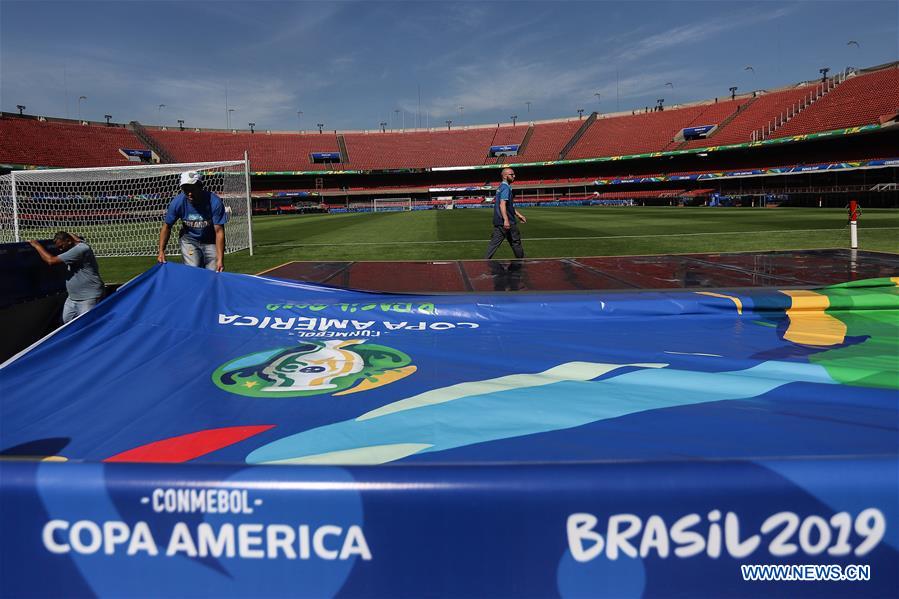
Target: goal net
{"type": "Point", "coordinates": [359, 206]}
{"type": "Point", "coordinates": [392, 204]}
{"type": "Point", "coordinates": [118, 210]}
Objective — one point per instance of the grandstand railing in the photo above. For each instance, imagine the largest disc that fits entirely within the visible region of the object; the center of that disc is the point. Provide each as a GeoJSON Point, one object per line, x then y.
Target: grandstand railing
{"type": "Point", "coordinates": [784, 117]}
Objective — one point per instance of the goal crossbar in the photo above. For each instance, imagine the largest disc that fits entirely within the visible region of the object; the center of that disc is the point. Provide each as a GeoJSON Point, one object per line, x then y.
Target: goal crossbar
{"type": "Point", "coordinates": [391, 204]}
{"type": "Point", "coordinates": [118, 209]}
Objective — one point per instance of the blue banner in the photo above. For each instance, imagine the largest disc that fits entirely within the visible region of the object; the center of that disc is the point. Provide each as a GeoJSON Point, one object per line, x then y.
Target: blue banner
{"type": "Point", "coordinates": [215, 434]}
{"type": "Point", "coordinates": [506, 150]}
{"type": "Point", "coordinates": [292, 194]}
{"type": "Point", "coordinates": [140, 154]}
{"type": "Point", "coordinates": [697, 132]}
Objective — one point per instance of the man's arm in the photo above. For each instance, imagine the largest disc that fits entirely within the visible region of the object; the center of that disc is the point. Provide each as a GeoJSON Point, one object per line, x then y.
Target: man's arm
{"type": "Point", "coordinates": [164, 234]}
{"type": "Point", "coordinates": [46, 256]}
{"type": "Point", "coordinates": [502, 210]}
{"type": "Point", "coordinates": [219, 248]}
{"type": "Point", "coordinates": [520, 216]}
{"type": "Point", "coordinates": [172, 213]}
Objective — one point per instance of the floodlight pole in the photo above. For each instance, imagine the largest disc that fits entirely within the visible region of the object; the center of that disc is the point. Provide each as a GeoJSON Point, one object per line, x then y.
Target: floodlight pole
{"type": "Point", "coordinates": [320, 127]}
{"type": "Point", "coordinates": [251, 127]}
{"type": "Point", "coordinates": [299, 124]}
{"type": "Point", "coordinates": [514, 118]}
{"type": "Point", "coordinates": [448, 123]}
{"type": "Point", "coordinates": [80, 98]}
{"type": "Point", "coordinates": [181, 124]}
{"type": "Point", "coordinates": [21, 108]}
{"type": "Point", "coordinates": [107, 117]}
{"type": "Point", "coordinates": [733, 92]}
{"type": "Point", "coordinates": [580, 113]}
{"type": "Point", "coordinates": [383, 126]}
{"type": "Point", "coordinates": [824, 71]}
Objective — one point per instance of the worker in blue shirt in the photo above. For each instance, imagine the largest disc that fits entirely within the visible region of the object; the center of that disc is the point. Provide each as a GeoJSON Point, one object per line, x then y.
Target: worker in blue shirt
{"type": "Point", "coordinates": [203, 217]}
{"type": "Point", "coordinates": [506, 217]}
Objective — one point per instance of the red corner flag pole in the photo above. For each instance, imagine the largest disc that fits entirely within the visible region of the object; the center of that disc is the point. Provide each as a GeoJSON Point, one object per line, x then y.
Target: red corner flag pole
{"type": "Point", "coordinates": [853, 224]}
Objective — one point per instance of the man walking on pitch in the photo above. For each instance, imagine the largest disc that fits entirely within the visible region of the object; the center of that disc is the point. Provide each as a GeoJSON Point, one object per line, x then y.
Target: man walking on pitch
{"type": "Point", "coordinates": [83, 280]}
{"type": "Point", "coordinates": [203, 218]}
{"type": "Point", "coordinates": [506, 217]}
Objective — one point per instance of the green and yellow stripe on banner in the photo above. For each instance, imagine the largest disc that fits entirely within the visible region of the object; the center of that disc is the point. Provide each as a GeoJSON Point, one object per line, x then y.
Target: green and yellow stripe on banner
{"type": "Point", "coordinates": [836, 316]}
{"type": "Point", "coordinates": [810, 324]}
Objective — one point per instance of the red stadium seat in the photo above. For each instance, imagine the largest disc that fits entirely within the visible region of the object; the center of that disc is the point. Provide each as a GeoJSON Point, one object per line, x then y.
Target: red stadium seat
{"type": "Point", "coordinates": [860, 100]}
{"type": "Point", "coordinates": [754, 114]}
{"type": "Point", "coordinates": [49, 143]}
{"type": "Point", "coordinates": [863, 99]}
{"type": "Point", "coordinates": [418, 149]}
{"type": "Point", "coordinates": [268, 152]}
{"type": "Point", "coordinates": [548, 140]}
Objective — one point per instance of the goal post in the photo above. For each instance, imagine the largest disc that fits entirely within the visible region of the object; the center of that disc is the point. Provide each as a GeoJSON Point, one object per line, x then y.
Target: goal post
{"type": "Point", "coordinates": [391, 204]}
{"type": "Point", "coordinates": [118, 210]}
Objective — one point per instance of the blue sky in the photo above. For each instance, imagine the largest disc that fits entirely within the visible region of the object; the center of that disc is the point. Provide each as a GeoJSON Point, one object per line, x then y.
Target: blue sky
{"type": "Point", "coordinates": [351, 65]}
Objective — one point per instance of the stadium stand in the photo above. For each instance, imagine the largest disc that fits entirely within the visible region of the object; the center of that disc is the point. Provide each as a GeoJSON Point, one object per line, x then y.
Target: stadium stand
{"type": "Point", "coordinates": [754, 115]}
{"type": "Point", "coordinates": [28, 140]}
{"type": "Point", "coordinates": [504, 136]}
{"type": "Point", "coordinates": [644, 194]}
{"type": "Point", "coordinates": [645, 132]}
{"type": "Point", "coordinates": [810, 160]}
{"type": "Point", "coordinates": [860, 100]}
{"type": "Point", "coordinates": [273, 152]}
{"type": "Point", "coordinates": [547, 140]}
{"type": "Point", "coordinates": [418, 149]}
{"type": "Point", "coordinates": [716, 113]}
{"type": "Point", "coordinates": [869, 97]}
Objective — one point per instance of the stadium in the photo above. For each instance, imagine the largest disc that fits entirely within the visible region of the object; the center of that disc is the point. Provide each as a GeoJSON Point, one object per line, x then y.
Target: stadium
{"type": "Point", "coordinates": [688, 387]}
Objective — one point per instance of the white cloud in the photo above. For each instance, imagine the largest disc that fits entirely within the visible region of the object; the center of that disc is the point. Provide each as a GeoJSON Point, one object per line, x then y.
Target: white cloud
{"type": "Point", "coordinates": [697, 32]}
{"type": "Point", "coordinates": [509, 84]}
{"type": "Point", "coordinates": [507, 81]}
{"type": "Point", "coordinates": [201, 102]}
{"type": "Point", "coordinates": [196, 95]}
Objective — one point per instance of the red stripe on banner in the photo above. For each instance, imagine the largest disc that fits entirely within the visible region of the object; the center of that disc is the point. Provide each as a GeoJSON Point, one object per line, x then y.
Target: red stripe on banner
{"type": "Point", "coordinates": [184, 448]}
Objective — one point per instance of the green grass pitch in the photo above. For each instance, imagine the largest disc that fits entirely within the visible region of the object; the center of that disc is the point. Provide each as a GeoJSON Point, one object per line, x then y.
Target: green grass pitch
{"type": "Point", "coordinates": [549, 233]}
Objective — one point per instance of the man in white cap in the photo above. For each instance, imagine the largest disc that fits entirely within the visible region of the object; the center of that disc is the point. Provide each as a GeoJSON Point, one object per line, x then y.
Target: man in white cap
{"type": "Point", "coordinates": [202, 215]}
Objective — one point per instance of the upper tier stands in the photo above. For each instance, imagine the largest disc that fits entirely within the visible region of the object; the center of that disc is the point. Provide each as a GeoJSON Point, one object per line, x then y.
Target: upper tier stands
{"type": "Point", "coordinates": [418, 149]}
{"type": "Point", "coordinates": [753, 115]}
{"type": "Point", "coordinates": [547, 141]}
{"type": "Point", "coordinates": [504, 136]}
{"type": "Point", "coordinates": [646, 132]}
{"type": "Point", "coordinates": [275, 152]}
{"type": "Point", "coordinates": [859, 100]}
{"type": "Point", "coordinates": [46, 143]}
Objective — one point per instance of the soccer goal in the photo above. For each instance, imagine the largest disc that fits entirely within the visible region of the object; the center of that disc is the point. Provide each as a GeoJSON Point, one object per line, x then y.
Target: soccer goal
{"type": "Point", "coordinates": [392, 204]}
{"type": "Point", "coordinates": [118, 210]}
{"type": "Point", "coordinates": [359, 206]}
